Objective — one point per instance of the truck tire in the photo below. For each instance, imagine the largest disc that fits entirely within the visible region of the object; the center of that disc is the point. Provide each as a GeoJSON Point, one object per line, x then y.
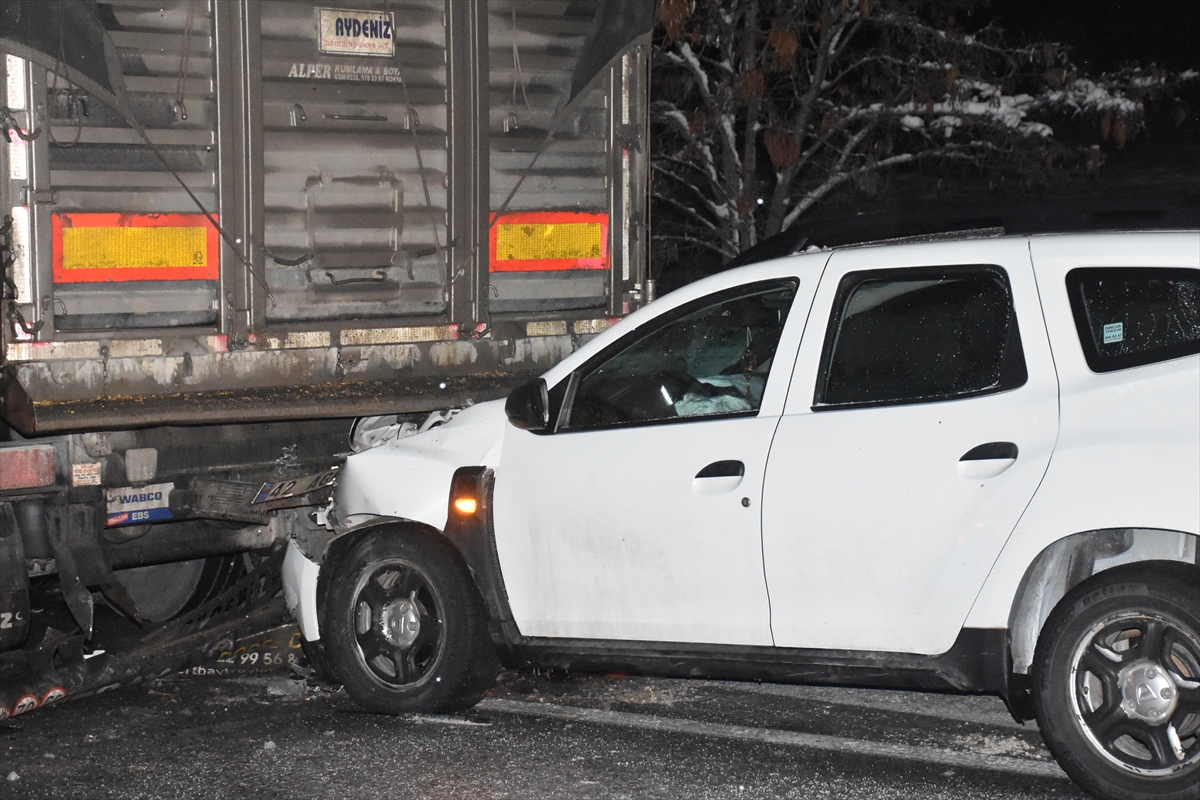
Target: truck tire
{"type": "Point", "coordinates": [403, 625]}
{"type": "Point", "coordinates": [163, 592]}
{"type": "Point", "coordinates": [1117, 683]}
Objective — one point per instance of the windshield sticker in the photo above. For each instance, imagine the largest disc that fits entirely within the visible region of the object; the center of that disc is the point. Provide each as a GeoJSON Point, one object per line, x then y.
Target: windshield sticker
{"type": "Point", "coordinates": [356, 33]}
{"type": "Point", "coordinates": [133, 506]}
{"type": "Point", "coordinates": [1114, 332]}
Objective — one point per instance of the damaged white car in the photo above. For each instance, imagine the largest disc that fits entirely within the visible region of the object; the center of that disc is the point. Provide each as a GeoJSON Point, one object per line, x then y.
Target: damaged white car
{"type": "Point", "coordinates": [966, 465]}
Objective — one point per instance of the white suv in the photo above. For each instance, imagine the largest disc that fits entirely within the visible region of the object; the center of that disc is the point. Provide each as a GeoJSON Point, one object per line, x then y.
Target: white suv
{"type": "Point", "coordinates": [970, 464]}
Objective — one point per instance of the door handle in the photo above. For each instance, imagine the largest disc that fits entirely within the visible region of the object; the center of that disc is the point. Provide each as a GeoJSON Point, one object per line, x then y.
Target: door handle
{"type": "Point", "coordinates": [723, 469]}
{"type": "Point", "coordinates": [991, 451]}
{"type": "Point", "coordinates": [719, 477]}
{"type": "Point", "coordinates": [987, 460]}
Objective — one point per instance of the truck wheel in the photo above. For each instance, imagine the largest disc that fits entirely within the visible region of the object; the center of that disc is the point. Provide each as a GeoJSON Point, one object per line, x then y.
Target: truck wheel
{"type": "Point", "coordinates": [403, 625]}
{"type": "Point", "coordinates": [163, 592]}
{"type": "Point", "coordinates": [1117, 677]}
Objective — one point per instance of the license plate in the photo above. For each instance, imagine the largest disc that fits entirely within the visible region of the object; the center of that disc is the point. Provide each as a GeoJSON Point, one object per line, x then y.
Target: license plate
{"type": "Point", "coordinates": [295, 487]}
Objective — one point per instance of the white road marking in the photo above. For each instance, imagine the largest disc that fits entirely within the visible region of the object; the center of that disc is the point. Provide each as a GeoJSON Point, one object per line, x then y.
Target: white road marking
{"type": "Point", "coordinates": [814, 741]}
{"type": "Point", "coordinates": [438, 719]}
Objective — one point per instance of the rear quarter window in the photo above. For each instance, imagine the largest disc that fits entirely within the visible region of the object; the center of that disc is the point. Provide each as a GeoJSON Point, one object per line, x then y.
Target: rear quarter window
{"type": "Point", "coordinates": [1130, 317]}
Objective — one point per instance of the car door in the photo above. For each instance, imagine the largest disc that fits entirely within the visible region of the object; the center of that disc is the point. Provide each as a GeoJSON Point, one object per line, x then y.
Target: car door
{"type": "Point", "coordinates": [921, 419]}
{"type": "Point", "coordinates": [638, 518]}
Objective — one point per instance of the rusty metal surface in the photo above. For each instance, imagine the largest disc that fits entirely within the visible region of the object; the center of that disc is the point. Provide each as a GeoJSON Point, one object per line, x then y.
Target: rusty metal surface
{"type": "Point", "coordinates": [257, 385]}
{"type": "Point", "coordinates": [253, 405]}
{"type": "Point", "coordinates": [170, 542]}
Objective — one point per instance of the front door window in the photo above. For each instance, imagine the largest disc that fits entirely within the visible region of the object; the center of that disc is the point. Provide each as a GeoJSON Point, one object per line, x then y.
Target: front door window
{"type": "Point", "coordinates": [709, 360]}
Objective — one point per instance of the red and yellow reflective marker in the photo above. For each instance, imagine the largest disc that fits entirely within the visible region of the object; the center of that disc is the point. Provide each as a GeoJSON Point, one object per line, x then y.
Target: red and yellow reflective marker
{"type": "Point", "coordinates": [102, 248]}
{"type": "Point", "coordinates": [542, 241]}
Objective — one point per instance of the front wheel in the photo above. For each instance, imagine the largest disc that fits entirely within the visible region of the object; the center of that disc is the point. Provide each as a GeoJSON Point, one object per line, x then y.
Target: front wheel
{"type": "Point", "coordinates": [403, 625]}
{"type": "Point", "coordinates": [1117, 677]}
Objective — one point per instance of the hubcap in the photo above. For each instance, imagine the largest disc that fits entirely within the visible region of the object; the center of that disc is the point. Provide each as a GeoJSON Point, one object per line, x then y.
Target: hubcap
{"type": "Point", "coordinates": [400, 622]}
{"type": "Point", "coordinates": [1148, 692]}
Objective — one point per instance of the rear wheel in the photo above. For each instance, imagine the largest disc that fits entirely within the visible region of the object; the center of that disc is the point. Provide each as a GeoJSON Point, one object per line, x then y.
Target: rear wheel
{"type": "Point", "coordinates": [1118, 683]}
{"type": "Point", "coordinates": [403, 626]}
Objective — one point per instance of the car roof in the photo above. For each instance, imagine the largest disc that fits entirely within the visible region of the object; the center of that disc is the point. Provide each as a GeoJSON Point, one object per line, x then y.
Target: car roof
{"type": "Point", "coordinates": [808, 265]}
{"type": "Point", "coordinates": [788, 243]}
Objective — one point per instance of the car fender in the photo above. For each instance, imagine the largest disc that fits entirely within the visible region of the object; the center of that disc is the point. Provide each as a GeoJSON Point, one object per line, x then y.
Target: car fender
{"type": "Point", "coordinates": [409, 479]}
{"type": "Point", "coordinates": [406, 481]}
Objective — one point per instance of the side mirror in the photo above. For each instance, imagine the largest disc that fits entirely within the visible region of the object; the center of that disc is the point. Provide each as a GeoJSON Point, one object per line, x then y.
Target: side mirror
{"type": "Point", "coordinates": [528, 406]}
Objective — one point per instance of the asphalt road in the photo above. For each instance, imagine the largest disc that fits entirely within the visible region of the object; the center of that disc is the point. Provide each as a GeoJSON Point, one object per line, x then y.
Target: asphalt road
{"type": "Point", "coordinates": [535, 736]}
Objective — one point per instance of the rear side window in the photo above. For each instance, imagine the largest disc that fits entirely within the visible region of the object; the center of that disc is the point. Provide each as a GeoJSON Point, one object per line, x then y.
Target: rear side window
{"type": "Point", "coordinates": [1130, 317]}
{"type": "Point", "coordinates": [920, 335]}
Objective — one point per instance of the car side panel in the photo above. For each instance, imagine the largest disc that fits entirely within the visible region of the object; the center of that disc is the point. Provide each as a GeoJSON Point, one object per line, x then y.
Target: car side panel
{"type": "Point", "coordinates": [608, 534]}
{"type": "Point", "coordinates": [1128, 454]}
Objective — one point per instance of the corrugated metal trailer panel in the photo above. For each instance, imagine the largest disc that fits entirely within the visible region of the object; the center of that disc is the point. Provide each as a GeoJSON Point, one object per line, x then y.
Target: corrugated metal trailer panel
{"type": "Point", "coordinates": [362, 183]}
{"type": "Point", "coordinates": [355, 163]}
{"type": "Point", "coordinates": [98, 164]}
{"type": "Point", "coordinates": [533, 49]}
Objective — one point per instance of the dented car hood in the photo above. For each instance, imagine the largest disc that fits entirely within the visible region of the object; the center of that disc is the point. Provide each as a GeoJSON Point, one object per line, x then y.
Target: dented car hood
{"type": "Point", "coordinates": [410, 478]}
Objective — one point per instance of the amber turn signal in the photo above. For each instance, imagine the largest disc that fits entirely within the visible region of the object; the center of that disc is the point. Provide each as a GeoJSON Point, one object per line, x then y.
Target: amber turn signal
{"type": "Point", "coordinates": [465, 505]}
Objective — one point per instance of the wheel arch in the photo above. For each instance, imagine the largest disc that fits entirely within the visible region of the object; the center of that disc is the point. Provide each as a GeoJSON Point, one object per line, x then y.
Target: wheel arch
{"type": "Point", "coordinates": [359, 650]}
{"type": "Point", "coordinates": [1068, 562]}
{"type": "Point", "coordinates": [335, 552]}
{"type": "Point", "coordinates": [470, 536]}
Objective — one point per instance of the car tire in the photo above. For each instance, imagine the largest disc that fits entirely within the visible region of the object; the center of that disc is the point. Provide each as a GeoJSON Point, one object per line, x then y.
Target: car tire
{"type": "Point", "coordinates": [1117, 683]}
{"type": "Point", "coordinates": [403, 625]}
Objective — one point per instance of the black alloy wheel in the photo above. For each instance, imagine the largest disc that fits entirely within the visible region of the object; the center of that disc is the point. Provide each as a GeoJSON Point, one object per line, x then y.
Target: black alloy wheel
{"type": "Point", "coordinates": [397, 623]}
{"type": "Point", "coordinates": [402, 624]}
{"type": "Point", "coordinates": [1118, 683]}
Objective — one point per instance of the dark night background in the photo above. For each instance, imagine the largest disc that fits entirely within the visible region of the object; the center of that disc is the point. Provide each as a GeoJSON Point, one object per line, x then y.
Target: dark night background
{"type": "Point", "coordinates": [1153, 182]}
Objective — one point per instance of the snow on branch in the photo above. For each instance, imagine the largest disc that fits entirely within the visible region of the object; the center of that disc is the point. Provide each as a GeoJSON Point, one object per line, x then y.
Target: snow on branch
{"type": "Point", "coordinates": [762, 111]}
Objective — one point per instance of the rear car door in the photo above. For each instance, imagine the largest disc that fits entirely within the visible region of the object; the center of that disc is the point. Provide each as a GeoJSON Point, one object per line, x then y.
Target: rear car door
{"type": "Point", "coordinates": [922, 416]}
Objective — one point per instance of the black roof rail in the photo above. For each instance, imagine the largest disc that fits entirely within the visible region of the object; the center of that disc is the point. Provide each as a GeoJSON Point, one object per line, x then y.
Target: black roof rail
{"type": "Point", "coordinates": [794, 241]}
{"type": "Point", "coordinates": [946, 236]}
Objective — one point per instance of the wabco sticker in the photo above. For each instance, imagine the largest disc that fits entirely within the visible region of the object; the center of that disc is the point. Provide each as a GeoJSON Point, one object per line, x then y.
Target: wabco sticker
{"type": "Point", "coordinates": [356, 33]}
{"type": "Point", "coordinates": [1114, 332]}
{"type": "Point", "coordinates": [132, 506]}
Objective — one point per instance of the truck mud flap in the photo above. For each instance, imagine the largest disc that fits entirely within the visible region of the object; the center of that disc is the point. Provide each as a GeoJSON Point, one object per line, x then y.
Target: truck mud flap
{"type": "Point", "coordinates": [14, 581]}
{"type": "Point", "coordinates": [56, 665]}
